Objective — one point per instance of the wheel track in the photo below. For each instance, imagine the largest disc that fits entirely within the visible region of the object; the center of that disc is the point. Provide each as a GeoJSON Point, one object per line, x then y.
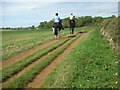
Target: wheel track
{"type": "Point", "coordinates": [43, 74]}
{"type": "Point", "coordinates": [22, 55]}
{"type": "Point", "coordinates": [31, 65]}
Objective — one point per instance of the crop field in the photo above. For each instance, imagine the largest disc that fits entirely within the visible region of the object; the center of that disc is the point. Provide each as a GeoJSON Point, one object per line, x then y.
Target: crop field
{"type": "Point", "coordinates": [35, 59]}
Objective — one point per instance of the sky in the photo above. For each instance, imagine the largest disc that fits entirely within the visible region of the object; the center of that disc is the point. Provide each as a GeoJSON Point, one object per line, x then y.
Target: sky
{"type": "Point", "coordinates": [31, 12]}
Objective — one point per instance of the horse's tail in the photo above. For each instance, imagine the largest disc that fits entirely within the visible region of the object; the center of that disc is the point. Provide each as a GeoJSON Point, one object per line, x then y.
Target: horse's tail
{"type": "Point", "coordinates": [72, 23]}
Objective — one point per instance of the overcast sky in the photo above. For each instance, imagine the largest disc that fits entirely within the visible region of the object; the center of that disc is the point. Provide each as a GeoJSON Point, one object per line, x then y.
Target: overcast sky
{"type": "Point", "coordinates": [24, 13]}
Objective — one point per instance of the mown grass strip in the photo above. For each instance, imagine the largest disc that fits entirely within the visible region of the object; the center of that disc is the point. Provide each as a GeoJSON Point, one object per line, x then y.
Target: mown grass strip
{"type": "Point", "coordinates": [28, 38]}
{"type": "Point", "coordinates": [25, 45]}
{"type": "Point", "coordinates": [17, 66]}
{"type": "Point", "coordinates": [24, 48]}
{"type": "Point", "coordinates": [92, 64]}
{"type": "Point", "coordinates": [29, 75]}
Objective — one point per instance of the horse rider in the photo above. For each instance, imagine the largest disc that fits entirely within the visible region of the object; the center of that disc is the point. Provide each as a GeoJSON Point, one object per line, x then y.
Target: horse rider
{"type": "Point", "coordinates": [71, 24]}
{"type": "Point", "coordinates": [57, 25]}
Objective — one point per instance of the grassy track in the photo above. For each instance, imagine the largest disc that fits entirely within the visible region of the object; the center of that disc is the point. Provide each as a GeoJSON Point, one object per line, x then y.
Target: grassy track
{"type": "Point", "coordinates": [15, 42]}
{"type": "Point", "coordinates": [91, 64]}
{"type": "Point", "coordinates": [28, 76]}
{"type": "Point", "coordinates": [25, 78]}
{"type": "Point", "coordinates": [23, 47]}
{"type": "Point", "coordinates": [17, 66]}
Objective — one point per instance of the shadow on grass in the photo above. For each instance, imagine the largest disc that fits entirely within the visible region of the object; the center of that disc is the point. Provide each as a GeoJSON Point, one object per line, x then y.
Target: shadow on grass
{"type": "Point", "coordinates": [82, 32]}
{"type": "Point", "coordinates": [70, 36]}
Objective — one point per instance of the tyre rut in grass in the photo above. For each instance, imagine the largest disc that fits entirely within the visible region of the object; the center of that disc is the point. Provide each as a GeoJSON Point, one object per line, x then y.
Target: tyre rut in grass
{"type": "Point", "coordinates": [38, 80]}
{"type": "Point", "coordinates": [29, 51]}
{"type": "Point", "coordinates": [22, 47]}
{"type": "Point", "coordinates": [18, 66]}
{"type": "Point", "coordinates": [25, 54]}
{"type": "Point", "coordinates": [30, 74]}
{"type": "Point", "coordinates": [31, 65]}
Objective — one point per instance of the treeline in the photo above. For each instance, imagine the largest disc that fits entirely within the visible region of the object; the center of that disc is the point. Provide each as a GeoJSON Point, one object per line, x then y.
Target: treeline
{"type": "Point", "coordinates": [80, 21]}
{"type": "Point", "coordinates": [19, 28]}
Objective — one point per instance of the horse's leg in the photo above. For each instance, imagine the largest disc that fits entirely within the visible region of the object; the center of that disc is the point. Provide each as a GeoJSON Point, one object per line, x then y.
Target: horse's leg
{"type": "Point", "coordinates": [59, 31]}
{"type": "Point", "coordinates": [72, 30]}
{"type": "Point", "coordinates": [56, 35]}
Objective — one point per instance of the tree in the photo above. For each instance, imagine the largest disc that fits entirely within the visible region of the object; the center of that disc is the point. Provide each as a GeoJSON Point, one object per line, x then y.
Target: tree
{"type": "Point", "coordinates": [33, 27]}
{"type": "Point", "coordinates": [50, 24]}
{"type": "Point", "coordinates": [97, 20]}
{"type": "Point", "coordinates": [43, 24]}
{"type": "Point", "coordinates": [65, 22]}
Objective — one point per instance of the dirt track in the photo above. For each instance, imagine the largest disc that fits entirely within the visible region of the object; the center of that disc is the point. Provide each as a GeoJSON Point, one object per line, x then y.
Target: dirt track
{"type": "Point", "coordinates": [18, 57]}
{"type": "Point", "coordinates": [43, 74]}
{"type": "Point", "coordinates": [31, 65]}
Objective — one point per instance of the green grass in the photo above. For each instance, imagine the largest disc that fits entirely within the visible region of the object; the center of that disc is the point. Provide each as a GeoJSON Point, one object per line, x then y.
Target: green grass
{"type": "Point", "coordinates": [11, 37]}
{"type": "Point", "coordinates": [85, 28]}
{"type": "Point", "coordinates": [15, 42]}
{"type": "Point", "coordinates": [17, 66]}
{"type": "Point", "coordinates": [29, 75]}
{"type": "Point", "coordinates": [13, 52]}
{"type": "Point", "coordinates": [91, 64]}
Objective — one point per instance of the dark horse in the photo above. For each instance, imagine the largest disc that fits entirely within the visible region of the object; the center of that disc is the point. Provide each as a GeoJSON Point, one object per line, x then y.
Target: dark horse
{"type": "Point", "coordinates": [72, 26]}
{"type": "Point", "coordinates": [60, 25]}
{"type": "Point", "coordinates": [57, 28]}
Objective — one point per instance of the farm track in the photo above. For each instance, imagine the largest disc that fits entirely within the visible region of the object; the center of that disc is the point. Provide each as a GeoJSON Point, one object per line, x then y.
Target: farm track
{"type": "Point", "coordinates": [18, 57]}
{"type": "Point", "coordinates": [50, 67]}
{"type": "Point", "coordinates": [31, 65]}
{"type": "Point", "coordinates": [22, 48]}
{"type": "Point", "coordinates": [43, 74]}
{"type": "Point", "coordinates": [26, 53]}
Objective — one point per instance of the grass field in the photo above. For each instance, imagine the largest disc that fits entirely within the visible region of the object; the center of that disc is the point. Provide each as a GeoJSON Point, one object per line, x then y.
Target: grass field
{"type": "Point", "coordinates": [15, 42]}
{"type": "Point", "coordinates": [89, 61]}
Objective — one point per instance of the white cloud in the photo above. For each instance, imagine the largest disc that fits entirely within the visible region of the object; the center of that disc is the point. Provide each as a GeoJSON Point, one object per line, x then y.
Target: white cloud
{"type": "Point", "coordinates": [61, 0]}
{"type": "Point", "coordinates": [101, 8]}
{"type": "Point", "coordinates": [29, 12]}
{"type": "Point", "coordinates": [30, 1]}
{"type": "Point", "coordinates": [21, 7]}
{"type": "Point", "coordinates": [32, 7]}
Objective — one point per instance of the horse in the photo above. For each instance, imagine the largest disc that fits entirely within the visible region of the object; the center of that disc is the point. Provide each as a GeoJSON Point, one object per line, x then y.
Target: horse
{"type": "Point", "coordinates": [71, 26]}
{"type": "Point", "coordinates": [57, 28]}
